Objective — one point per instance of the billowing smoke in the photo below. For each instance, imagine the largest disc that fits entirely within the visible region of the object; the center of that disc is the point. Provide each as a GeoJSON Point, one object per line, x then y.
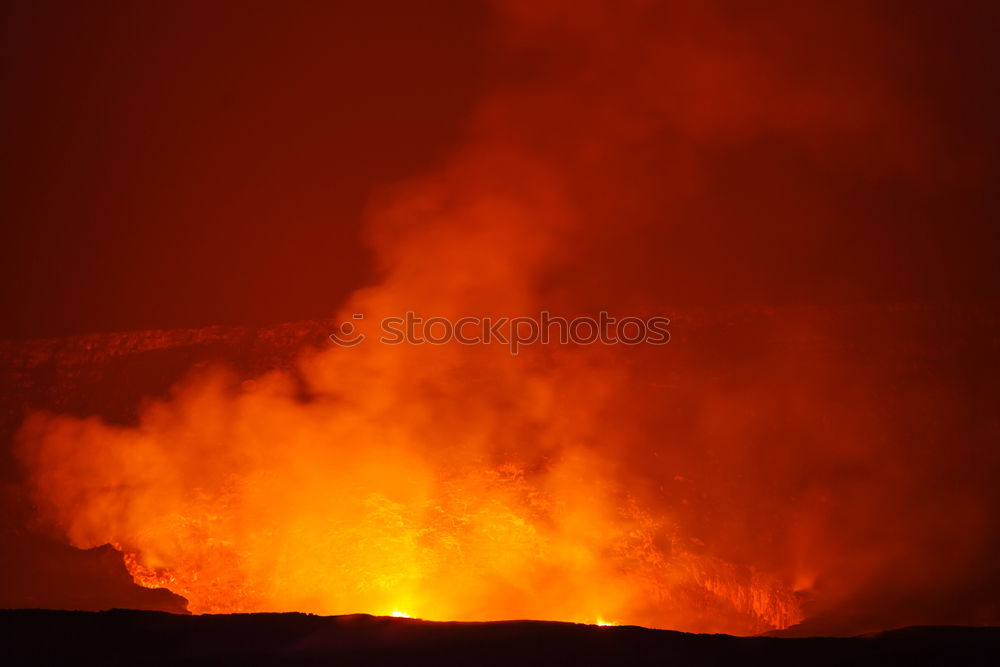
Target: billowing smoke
{"type": "Point", "coordinates": [638, 158]}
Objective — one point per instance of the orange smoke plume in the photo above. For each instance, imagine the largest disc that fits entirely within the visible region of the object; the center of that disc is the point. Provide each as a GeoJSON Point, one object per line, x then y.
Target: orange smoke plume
{"type": "Point", "coordinates": [576, 483]}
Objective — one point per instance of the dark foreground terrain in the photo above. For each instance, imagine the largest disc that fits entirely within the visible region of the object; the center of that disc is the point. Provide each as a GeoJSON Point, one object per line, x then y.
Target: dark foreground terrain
{"type": "Point", "coordinates": [126, 637]}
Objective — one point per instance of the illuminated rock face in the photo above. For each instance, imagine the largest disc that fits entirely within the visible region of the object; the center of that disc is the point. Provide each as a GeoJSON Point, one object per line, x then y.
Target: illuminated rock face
{"type": "Point", "coordinates": [293, 519]}
{"type": "Point", "coordinates": [240, 494]}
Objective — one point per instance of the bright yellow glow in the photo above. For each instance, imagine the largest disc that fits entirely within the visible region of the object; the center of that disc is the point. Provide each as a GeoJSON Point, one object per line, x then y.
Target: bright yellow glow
{"type": "Point", "coordinates": [400, 614]}
{"type": "Point", "coordinates": [602, 623]}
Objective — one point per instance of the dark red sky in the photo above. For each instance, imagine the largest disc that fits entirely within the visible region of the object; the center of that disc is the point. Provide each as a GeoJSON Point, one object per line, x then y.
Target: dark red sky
{"type": "Point", "coordinates": [184, 164]}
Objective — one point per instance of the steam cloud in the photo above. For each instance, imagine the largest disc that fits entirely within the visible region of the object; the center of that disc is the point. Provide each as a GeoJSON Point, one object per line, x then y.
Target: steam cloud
{"type": "Point", "coordinates": [714, 492]}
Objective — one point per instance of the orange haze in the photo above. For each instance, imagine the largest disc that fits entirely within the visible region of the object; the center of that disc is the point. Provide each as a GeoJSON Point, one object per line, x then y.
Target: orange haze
{"type": "Point", "coordinates": [723, 491]}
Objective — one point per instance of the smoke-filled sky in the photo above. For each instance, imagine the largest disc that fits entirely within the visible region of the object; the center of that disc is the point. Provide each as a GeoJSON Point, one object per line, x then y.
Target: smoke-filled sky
{"type": "Point", "coordinates": [183, 164]}
{"type": "Point", "coordinates": [830, 165]}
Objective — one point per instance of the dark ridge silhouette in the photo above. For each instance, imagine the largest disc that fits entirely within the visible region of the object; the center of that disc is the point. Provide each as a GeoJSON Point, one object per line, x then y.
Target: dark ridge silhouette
{"type": "Point", "coordinates": [153, 638]}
